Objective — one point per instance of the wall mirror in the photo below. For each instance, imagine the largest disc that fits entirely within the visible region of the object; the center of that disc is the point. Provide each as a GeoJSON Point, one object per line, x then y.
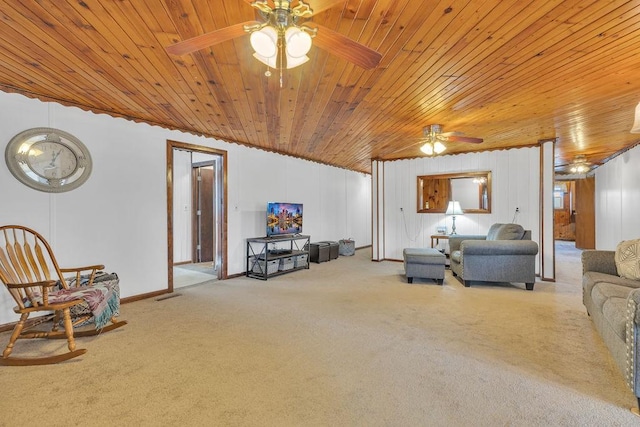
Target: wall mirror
{"type": "Point", "coordinates": [471, 189]}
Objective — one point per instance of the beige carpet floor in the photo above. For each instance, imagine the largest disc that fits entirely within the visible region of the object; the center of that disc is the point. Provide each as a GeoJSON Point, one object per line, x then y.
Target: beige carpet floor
{"type": "Point", "coordinates": [345, 343]}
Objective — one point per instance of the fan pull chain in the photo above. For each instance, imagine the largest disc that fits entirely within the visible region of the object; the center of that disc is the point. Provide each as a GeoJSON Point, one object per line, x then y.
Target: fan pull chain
{"type": "Point", "coordinates": [280, 55]}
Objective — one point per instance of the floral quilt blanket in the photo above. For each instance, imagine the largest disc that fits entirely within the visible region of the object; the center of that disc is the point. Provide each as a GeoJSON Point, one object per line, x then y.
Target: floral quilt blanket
{"type": "Point", "coordinates": [102, 299]}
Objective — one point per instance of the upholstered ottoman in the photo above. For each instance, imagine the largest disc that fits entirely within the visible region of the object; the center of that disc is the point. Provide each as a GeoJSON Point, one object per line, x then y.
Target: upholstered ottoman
{"type": "Point", "coordinates": [334, 249]}
{"type": "Point", "coordinates": [319, 252]}
{"type": "Point", "coordinates": [426, 263]}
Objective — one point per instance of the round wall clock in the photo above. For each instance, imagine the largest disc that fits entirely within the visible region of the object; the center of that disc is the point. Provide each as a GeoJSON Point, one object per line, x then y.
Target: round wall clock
{"type": "Point", "coordinates": [48, 160]}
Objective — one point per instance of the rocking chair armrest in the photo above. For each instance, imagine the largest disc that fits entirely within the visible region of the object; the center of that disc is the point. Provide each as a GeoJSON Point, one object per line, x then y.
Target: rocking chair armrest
{"type": "Point", "coordinates": [79, 270]}
{"type": "Point", "coordinates": [45, 285]}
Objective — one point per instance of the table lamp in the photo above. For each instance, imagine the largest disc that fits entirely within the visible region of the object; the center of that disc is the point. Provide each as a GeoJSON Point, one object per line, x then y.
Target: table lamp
{"type": "Point", "coordinates": [454, 209]}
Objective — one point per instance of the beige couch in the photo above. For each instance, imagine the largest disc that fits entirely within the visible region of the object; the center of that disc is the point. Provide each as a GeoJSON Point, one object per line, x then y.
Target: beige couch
{"type": "Point", "coordinates": [613, 304]}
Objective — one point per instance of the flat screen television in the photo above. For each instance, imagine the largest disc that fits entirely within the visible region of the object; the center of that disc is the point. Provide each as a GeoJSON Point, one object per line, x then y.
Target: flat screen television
{"type": "Point", "coordinates": [284, 218]}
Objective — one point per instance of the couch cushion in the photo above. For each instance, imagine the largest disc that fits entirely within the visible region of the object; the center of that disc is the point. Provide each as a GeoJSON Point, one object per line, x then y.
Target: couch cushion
{"type": "Point", "coordinates": [423, 256]}
{"type": "Point", "coordinates": [614, 313]}
{"type": "Point", "coordinates": [493, 231]}
{"type": "Point", "coordinates": [509, 232]}
{"type": "Point", "coordinates": [602, 292]}
{"type": "Point", "coordinates": [597, 277]}
{"type": "Point", "coordinates": [627, 259]}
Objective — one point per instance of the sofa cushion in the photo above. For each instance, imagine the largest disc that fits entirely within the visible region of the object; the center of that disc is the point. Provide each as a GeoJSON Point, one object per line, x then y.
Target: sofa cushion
{"type": "Point", "coordinates": [509, 232]}
{"type": "Point", "coordinates": [597, 277]}
{"type": "Point", "coordinates": [493, 231]}
{"type": "Point", "coordinates": [602, 292]}
{"type": "Point", "coordinates": [627, 259]}
{"type": "Point", "coordinates": [614, 312]}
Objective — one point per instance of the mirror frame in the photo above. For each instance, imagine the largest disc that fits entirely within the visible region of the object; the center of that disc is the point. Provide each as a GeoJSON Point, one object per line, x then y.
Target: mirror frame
{"type": "Point", "coordinates": [449, 176]}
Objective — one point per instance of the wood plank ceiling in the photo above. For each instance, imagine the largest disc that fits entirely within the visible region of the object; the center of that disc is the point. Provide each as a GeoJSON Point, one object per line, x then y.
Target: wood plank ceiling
{"type": "Point", "coordinates": [513, 72]}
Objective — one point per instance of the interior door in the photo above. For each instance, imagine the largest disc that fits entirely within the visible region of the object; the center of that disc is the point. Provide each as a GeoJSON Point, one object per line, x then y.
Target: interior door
{"type": "Point", "coordinates": [203, 214]}
{"type": "Point", "coordinates": [585, 213]}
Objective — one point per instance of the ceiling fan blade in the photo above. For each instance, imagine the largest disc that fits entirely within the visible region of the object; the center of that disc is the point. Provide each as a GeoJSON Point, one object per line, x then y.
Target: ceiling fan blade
{"type": "Point", "coordinates": [321, 5]}
{"type": "Point", "coordinates": [454, 138]}
{"type": "Point", "coordinates": [342, 46]}
{"type": "Point", "coordinates": [208, 39]}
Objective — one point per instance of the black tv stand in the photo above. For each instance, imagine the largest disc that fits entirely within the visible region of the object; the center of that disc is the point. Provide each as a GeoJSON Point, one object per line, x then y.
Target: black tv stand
{"type": "Point", "coordinates": [264, 260]}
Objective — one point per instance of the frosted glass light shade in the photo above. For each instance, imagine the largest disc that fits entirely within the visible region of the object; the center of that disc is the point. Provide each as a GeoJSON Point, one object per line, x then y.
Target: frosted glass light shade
{"type": "Point", "coordinates": [636, 121]}
{"type": "Point", "coordinates": [427, 149]}
{"type": "Point", "coordinates": [265, 42]}
{"type": "Point", "coordinates": [298, 42]}
{"type": "Point", "coordinates": [431, 148]}
{"type": "Point", "coordinates": [293, 62]}
{"type": "Point", "coordinates": [579, 168]}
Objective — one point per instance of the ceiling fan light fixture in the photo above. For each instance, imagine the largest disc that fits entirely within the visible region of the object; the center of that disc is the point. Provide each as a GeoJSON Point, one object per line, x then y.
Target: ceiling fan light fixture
{"type": "Point", "coordinates": [265, 42]}
{"type": "Point", "coordinates": [579, 169]}
{"type": "Point", "coordinates": [427, 149]}
{"type": "Point", "coordinates": [636, 121]}
{"type": "Point", "coordinates": [439, 147]}
{"type": "Point", "coordinates": [270, 62]}
{"type": "Point", "coordinates": [298, 42]}
{"type": "Point", "coordinates": [579, 165]}
{"type": "Point", "coordinates": [293, 61]}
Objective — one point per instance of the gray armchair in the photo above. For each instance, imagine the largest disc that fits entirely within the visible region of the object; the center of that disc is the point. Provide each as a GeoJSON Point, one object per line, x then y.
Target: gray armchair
{"type": "Point", "coordinates": [505, 254]}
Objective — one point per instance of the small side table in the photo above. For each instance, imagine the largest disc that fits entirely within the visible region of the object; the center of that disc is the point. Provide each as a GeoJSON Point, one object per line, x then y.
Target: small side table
{"type": "Point", "coordinates": [438, 237]}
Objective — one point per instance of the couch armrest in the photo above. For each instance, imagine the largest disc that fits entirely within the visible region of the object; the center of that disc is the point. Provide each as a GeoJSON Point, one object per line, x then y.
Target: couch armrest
{"type": "Point", "coordinates": [600, 261]}
{"type": "Point", "coordinates": [632, 376]}
{"type": "Point", "coordinates": [454, 242]}
{"type": "Point", "coordinates": [499, 247]}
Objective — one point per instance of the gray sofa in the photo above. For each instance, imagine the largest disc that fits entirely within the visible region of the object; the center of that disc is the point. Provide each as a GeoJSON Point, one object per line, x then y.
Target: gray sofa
{"type": "Point", "coordinates": [612, 303]}
{"type": "Point", "coordinates": [505, 254]}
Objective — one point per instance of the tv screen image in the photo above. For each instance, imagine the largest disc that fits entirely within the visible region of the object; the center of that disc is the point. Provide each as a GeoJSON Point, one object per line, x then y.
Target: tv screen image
{"type": "Point", "coordinates": [284, 218]}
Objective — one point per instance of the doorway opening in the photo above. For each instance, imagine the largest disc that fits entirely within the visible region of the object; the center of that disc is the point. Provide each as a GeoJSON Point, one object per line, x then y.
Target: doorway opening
{"type": "Point", "coordinates": [574, 212]}
{"type": "Point", "coordinates": [196, 214]}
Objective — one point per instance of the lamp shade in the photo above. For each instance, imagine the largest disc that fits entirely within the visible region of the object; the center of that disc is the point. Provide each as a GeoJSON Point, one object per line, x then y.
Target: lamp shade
{"type": "Point", "coordinates": [636, 121]}
{"type": "Point", "coordinates": [430, 148]}
{"type": "Point", "coordinates": [293, 61]}
{"type": "Point", "coordinates": [454, 208]}
{"type": "Point", "coordinates": [298, 43]}
{"type": "Point", "coordinates": [273, 61]}
{"type": "Point", "coordinates": [579, 168]}
{"type": "Point", "coordinates": [427, 149]}
{"type": "Point", "coordinates": [265, 42]}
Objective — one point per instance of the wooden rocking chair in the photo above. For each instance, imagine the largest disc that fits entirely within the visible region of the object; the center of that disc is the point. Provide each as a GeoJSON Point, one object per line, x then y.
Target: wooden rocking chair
{"type": "Point", "coordinates": [32, 276]}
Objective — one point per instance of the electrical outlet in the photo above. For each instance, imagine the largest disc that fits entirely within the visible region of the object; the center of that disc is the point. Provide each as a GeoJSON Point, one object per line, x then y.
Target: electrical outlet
{"type": "Point", "coordinates": [517, 209]}
{"type": "Point", "coordinates": [401, 210]}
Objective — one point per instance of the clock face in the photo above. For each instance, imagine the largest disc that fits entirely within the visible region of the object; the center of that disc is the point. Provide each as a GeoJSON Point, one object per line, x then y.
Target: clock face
{"type": "Point", "coordinates": [48, 160]}
{"type": "Point", "coordinates": [52, 160]}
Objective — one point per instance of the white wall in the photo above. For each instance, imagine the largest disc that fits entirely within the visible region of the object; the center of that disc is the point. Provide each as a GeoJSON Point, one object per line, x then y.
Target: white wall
{"type": "Point", "coordinates": [618, 200]}
{"type": "Point", "coordinates": [118, 217]}
{"type": "Point", "coordinates": [515, 183]}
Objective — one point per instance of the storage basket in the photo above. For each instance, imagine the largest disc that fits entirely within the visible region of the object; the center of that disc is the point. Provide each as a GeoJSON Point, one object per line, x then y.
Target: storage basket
{"type": "Point", "coordinates": [347, 247]}
{"type": "Point", "coordinates": [301, 260]}
{"type": "Point", "coordinates": [271, 266]}
{"type": "Point", "coordinates": [286, 263]}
